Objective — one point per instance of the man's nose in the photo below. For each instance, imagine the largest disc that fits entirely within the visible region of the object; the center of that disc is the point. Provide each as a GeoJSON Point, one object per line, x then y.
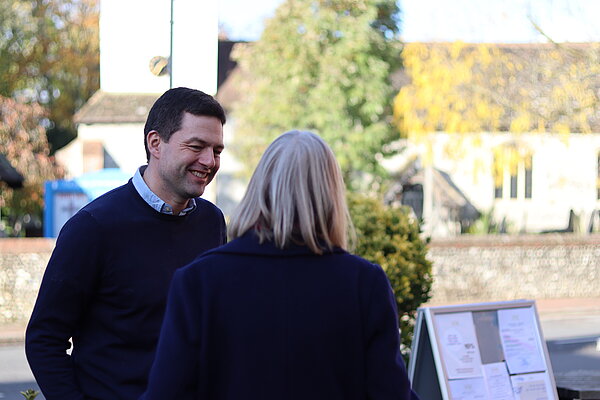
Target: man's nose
{"type": "Point", "coordinates": [207, 158]}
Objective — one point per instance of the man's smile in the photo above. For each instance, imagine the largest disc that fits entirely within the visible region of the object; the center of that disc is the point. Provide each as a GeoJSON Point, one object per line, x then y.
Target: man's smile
{"type": "Point", "coordinates": [199, 174]}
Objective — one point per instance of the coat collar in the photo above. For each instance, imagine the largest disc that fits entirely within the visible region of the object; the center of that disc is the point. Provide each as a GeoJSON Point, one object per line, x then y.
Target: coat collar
{"type": "Point", "coordinates": [249, 244]}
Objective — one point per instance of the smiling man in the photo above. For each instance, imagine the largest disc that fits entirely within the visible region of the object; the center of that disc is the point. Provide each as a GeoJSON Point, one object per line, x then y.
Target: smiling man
{"type": "Point", "coordinates": [106, 283]}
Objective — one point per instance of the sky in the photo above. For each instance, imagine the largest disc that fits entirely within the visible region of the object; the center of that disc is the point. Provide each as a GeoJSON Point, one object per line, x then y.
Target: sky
{"type": "Point", "coordinates": [493, 21]}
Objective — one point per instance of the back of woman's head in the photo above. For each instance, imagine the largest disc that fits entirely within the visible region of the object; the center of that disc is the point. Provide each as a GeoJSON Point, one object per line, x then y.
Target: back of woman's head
{"type": "Point", "coordinates": [296, 194]}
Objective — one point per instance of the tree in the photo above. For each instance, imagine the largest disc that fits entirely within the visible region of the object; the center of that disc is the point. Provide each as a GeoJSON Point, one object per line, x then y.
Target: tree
{"type": "Point", "coordinates": [389, 237]}
{"type": "Point", "coordinates": [323, 66]}
{"type": "Point", "coordinates": [466, 88]}
{"type": "Point", "coordinates": [49, 54]}
{"type": "Point", "coordinates": [23, 142]}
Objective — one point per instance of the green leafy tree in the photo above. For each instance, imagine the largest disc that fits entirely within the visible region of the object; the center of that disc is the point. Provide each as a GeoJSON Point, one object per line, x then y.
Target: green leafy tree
{"type": "Point", "coordinates": [324, 66]}
{"type": "Point", "coordinates": [387, 236]}
{"type": "Point", "coordinates": [23, 142]}
{"type": "Point", "coordinates": [49, 54]}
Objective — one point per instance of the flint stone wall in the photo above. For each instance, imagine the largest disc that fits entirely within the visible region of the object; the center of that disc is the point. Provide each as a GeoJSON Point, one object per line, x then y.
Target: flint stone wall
{"type": "Point", "coordinates": [22, 265]}
{"type": "Point", "coordinates": [465, 269]}
{"type": "Point", "coordinates": [498, 267]}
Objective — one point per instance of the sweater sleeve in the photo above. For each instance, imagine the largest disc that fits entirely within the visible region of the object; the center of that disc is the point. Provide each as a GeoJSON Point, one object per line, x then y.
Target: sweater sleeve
{"type": "Point", "coordinates": [175, 368]}
{"type": "Point", "coordinates": [64, 294]}
{"type": "Point", "coordinates": [386, 373]}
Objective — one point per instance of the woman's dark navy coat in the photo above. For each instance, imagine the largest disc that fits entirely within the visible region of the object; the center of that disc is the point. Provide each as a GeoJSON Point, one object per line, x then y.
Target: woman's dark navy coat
{"type": "Point", "coordinates": [251, 321]}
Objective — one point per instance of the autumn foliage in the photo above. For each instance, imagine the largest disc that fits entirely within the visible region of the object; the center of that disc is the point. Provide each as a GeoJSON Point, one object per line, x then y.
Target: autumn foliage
{"type": "Point", "coordinates": [460, 88]}
{"type": "Point", "coordinates": [23, 142]}
{"type": "Point", "coordinates": [49, 54]}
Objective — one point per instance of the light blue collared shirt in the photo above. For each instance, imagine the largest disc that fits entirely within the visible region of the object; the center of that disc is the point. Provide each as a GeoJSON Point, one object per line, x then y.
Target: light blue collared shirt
{"type": "Point", "coordinates": [152, 199]}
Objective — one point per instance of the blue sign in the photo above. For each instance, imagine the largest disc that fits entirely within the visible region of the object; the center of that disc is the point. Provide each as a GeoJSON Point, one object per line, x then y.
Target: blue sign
{"type": "Point", "coordinates": [63, 198]}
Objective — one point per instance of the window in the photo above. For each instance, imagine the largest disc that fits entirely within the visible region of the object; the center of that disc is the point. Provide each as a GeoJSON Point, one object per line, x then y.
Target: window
{"type": "Point", "coordinates": [95, 157]}
{"type": "Point", "coordinates": [513, 184]}
{"type": "Point", "coordinates": [598, 178]}
{"type": "Point", "coordinates": [498, 169]}
{"type": "Point", "coordinates": [513, 173]}
{"type": "Point", "coordinates": [528, 178]}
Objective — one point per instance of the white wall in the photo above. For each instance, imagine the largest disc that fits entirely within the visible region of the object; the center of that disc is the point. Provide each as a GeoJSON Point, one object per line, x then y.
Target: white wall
{"type": "Point", "coordinates": [231, 180]}
{"type": "Point", "coordinates": [564, 175]}
{"type": "Point", "coordinates": [132, 32]}
{"type": "Point", "coordinates": [124, 142]}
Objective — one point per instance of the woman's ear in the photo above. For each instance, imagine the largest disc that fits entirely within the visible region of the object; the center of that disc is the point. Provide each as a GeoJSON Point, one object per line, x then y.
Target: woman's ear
{"type": "Point", "coordinates": [153, 142]}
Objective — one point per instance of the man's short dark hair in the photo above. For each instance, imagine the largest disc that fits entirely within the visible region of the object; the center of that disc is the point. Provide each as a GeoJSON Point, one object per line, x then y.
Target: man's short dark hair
{"type": "Point", "coordinates": [167, 112]}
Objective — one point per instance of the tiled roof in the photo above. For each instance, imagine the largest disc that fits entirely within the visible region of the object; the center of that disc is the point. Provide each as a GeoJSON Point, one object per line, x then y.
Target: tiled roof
{"type": "Point", "coordinates": [226, 64]}
{"type": "Point", "coordinates": [105, 107]}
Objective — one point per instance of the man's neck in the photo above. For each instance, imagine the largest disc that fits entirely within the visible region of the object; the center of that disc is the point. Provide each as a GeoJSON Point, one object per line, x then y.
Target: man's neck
{"type": "Point", "coordinates": [152, 180]}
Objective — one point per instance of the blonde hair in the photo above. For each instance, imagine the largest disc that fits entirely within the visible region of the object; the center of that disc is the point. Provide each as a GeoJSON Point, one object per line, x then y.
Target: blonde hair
{"type": "Point", "coordinates": [296, 194]}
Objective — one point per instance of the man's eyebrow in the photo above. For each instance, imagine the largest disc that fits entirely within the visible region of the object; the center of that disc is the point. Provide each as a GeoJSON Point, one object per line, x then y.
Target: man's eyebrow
{"type": "Point", "coordinates": [203, 143]}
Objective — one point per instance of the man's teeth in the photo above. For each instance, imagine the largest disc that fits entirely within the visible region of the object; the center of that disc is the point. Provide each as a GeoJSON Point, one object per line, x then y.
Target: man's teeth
{"type": "Point", "coordinates": [199, 174]}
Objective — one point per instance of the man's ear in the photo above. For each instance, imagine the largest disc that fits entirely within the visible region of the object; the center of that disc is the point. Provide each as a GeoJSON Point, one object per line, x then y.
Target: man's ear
{"type": "Point", "coordinates": [153, 142]}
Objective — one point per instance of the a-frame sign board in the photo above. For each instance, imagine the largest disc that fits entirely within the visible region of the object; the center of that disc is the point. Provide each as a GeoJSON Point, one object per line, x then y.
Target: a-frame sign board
{"type": "Point", "coordinates": [484, 351]}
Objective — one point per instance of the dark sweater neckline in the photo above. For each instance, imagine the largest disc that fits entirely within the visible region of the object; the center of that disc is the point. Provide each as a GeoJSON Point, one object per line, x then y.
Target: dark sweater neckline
{"type": "Point", "coordinates": [139, 201]}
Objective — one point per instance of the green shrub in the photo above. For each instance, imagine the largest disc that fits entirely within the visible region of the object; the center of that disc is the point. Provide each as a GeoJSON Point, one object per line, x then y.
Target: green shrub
{"type": "Point", "coordinates": [30, 394]}
{"type": "Point", "coordinates": [486, 224]}
{"type": "Point", "coordinates": [388, 236]}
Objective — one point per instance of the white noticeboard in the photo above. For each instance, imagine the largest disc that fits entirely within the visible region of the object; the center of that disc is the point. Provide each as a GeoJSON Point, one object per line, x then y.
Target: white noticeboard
{"type": "Point", "coordinates": [484, 351]}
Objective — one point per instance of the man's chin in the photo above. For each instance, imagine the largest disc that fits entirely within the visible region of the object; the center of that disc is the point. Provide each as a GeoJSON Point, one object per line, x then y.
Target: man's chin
{"type": "Point", "coordinates": [198, 192]}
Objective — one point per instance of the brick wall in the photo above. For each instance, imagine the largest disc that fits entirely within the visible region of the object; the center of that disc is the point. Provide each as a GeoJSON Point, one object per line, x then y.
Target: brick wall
{"type": "Point", "coordinates": [466, 269]}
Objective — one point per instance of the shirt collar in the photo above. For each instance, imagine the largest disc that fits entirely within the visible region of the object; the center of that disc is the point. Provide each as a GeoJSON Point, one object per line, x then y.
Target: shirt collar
{"type": "Point", "coordinates": [152, 199]}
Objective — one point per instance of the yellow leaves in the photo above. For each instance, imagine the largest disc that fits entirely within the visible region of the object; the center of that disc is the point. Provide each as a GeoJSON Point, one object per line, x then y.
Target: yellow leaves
{"type": "Point", "coordinates": [527, 160]}
{"type": "Point", "coordinates": [460, 87]}
{"type": "Point", "coordinates": [455, 49]}
{"type": "Point", "coordinates": [485, 55]}
{"type": "Point", "coordinates": [498, 166]}
{"type": "Point", "coordinates": [486, 111]}
{"type": "Point", "coordinates": [454, 122]}
{"type": "Point", "coordinates": [510, 66]}
{"type": "Point", "coordinates": [520, 124]}
{"type": "Point", "coordinates": [508, 157]}
{"type": "Point", "coordinates": [513, 157]}
{"type": "Point", "coordinates": [573, 71]}
{"type": "Point", "coordinates": [561, 128]}
{"type": "Point", "coordinates": [541, 126]}
{"type": "Point", "coordinates": [439, 75]}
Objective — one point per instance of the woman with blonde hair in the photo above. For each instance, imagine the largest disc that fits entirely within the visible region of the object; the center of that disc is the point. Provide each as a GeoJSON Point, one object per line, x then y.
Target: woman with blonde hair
{"type": "Point", "coordinates": [283, 311]}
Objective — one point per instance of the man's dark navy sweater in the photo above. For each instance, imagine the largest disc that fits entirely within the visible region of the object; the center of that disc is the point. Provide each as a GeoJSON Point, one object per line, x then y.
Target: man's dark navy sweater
{"type": "Point", "coordinates": [105, 287]}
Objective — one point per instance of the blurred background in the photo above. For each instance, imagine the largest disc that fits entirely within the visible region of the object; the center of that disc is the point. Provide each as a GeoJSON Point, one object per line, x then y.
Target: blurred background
{"type": "Point", "coordinates": [468, 133]}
